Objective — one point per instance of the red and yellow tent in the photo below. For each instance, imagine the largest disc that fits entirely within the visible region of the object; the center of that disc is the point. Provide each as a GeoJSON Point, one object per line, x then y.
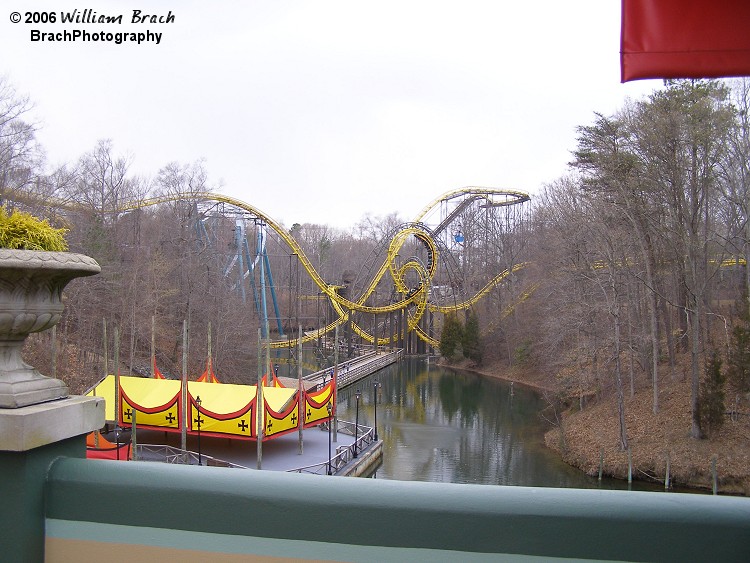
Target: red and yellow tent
{"type": "Point", "coordinates": [224, 410]}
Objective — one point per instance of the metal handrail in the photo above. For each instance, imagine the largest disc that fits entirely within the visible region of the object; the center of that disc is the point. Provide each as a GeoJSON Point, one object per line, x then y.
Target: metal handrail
{"type": "Point", "coordinates": [344, 454]}
{"type": "Point", "coordinates": [170, 454]}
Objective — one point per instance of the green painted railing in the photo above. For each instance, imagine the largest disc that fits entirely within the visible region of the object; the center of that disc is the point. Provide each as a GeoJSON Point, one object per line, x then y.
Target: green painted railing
{"type": "Point", "coordinates": [136, 511]}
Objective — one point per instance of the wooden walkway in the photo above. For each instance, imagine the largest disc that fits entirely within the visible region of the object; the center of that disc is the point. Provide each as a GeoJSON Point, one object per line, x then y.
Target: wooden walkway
{"type": "Point", "coordinates": [354, 369]}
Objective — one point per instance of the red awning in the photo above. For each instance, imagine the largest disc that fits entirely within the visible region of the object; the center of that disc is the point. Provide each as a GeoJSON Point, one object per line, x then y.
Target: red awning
{"type": "Point", "coordinates": [684, 39]}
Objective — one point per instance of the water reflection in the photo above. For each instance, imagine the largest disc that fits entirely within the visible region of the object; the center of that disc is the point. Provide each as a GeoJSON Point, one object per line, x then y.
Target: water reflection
{"type": "Point", "coordinates": [441, 425]}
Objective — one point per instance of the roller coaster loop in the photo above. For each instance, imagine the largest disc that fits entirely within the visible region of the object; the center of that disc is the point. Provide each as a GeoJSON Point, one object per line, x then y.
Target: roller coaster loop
{"type": "Point", "coordinates": [415, 299]}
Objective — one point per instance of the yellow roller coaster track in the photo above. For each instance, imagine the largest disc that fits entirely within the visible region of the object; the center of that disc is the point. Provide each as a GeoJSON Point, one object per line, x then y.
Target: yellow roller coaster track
{"type": "Point", "coordinates": [494, 198]}
{"type": "Point", "coordinates": [414, 300]}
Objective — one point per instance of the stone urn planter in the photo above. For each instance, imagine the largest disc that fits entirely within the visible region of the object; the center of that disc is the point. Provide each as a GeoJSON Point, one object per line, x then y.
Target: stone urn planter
{"type": "Point", "coordinates": [31, 286]}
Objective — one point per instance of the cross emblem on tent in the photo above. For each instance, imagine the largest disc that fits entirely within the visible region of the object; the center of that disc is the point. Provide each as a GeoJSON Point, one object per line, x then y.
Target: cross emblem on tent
{"type": "Point", "coordinates": [309, 413]}
{"type": "Point", "coordinates": [270, 424]}
{"type": "Point", "coordinates": [243, 425]}
{"type": "Point", "coordinates": [128, 413]}
{"type": "Point", "coordinates": [294, 418]}
{"type": "Point", "coordinates": [170, 418]}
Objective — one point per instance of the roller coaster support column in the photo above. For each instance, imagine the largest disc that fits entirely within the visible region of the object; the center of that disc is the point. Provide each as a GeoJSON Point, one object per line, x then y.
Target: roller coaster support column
{"type": "Point", "coordinates": [246, 249]}
{"type": "Point", "coordinates": [264, 307]}
{"type": "Point", "coordinates": [273, 294]}
{"type": "Point", "coordinates": [347, 279]}
{"type": "Point", "coordinates": [238, 238]}
{"type": "Point", "coordinates": [421, 344]}
{"type": "Point", "coordinates": [390, 330]}
{"type": "Point", "coordinates": [402, 340]}
{"type": "Point", "coordinates": [431, 332]}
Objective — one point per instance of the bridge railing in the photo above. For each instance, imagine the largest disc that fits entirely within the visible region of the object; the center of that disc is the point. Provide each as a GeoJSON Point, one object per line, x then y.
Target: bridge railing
{"type": "Point", "coordinates": [146, 511]}
{"type": "Point", "coordinates": [359, 370]}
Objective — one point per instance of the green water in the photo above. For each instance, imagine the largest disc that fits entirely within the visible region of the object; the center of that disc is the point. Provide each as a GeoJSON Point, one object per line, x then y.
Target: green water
{"type": "Point", "coordinates": [447, 426]}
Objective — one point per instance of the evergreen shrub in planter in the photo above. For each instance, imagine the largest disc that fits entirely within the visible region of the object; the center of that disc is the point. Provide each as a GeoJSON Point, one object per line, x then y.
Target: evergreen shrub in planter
{"type": "Point", "coordinates": [34, 270]}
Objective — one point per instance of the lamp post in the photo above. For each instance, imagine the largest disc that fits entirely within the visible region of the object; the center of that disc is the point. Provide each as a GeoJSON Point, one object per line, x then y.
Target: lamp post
{"type": "Point", "coordinates": [198, 421]}
{"type": "Point", "coordinates": [330, 423]}
{"type": "Point", "coordinates": [356, 422]}
{"type": "Point", "coordinates": [375, 396]}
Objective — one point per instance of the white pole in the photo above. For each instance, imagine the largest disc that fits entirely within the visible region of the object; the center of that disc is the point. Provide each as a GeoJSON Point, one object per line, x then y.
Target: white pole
{"type": "Point", "coordinates": [117, 378]}
{"type": "Point", "coordinates": [300, 404]}
{"type": "Point", "coordinates": [336, 379]}
{"type": "Point", "coordinates": [209, 365]}
{"type": "Point", "coordinates": [153, 348]}
{"type": "Point", "coordinates": [106, 367]}
{"type": "Point", "coordinates": [259, 403]}
{"type": "Point", "coordinates": [183, 391]}
{"type": "Point", "coordinates": [133, 438]}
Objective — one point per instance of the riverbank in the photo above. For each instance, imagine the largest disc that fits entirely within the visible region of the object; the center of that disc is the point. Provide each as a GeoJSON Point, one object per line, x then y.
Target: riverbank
{"type": "Point", "coordinates": [585, 438]}
{"type": "Point", "coordinates": [518, 376]}
{"type": "Point", "coordinates": [656, 440]}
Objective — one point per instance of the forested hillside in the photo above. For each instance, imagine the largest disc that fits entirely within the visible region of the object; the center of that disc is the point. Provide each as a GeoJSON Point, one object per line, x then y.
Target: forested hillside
{"type": "Point", "coordinates": [630, 284]}
{"type": "Point", "coordinates": [642, 311]}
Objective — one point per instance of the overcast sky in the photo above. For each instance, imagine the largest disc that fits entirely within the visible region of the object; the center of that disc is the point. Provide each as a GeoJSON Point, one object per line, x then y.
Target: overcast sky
{"type": "Point", "coordinates": [322, 111]}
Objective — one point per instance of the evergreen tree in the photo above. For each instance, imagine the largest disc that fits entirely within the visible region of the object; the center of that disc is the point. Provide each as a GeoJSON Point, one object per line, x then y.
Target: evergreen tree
{"type": "Point", "coordinates": [470, 339]}
{"type": "Point", "coordinates": [711, 399]}
{"type": "Point", "coordinates": [738, 361]}
{"type": "Point", "coordinates": [451, 337]}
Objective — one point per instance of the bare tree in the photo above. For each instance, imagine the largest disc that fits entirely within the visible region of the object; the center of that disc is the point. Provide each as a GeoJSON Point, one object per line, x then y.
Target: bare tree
{"type": "Point", "coordinates": [735, 183]}
{"type": "Point", "coordinates": [681, 141]}
{"type": "Point", "coordinates": [21, 157]}
{"type": "Point", "coordinates": [610, 169]}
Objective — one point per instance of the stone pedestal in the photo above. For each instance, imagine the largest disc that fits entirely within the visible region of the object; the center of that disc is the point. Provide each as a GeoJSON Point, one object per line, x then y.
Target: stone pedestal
{"type": "Point", "coordinates": [26, 428]}
{"type": "Point", "coordinates": [31, 287]}
{"type": "Point", "coordinates": [31, 438]}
